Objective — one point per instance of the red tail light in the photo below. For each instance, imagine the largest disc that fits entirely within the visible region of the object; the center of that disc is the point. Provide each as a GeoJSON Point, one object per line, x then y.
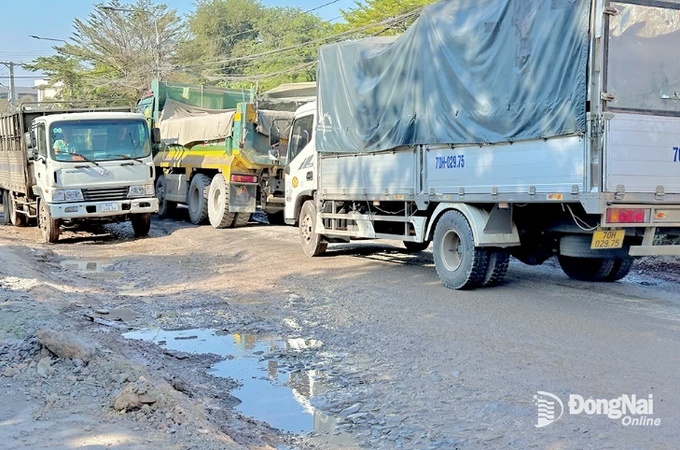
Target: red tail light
{"type": "Point", "coordinates": [627, 215]}
{"type": "Point", "coordinates": [244, 178]}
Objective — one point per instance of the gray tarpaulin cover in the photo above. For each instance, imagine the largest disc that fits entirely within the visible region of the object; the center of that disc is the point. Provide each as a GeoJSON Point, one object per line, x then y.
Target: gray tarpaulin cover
{"type": "Point", "coordinates": [185, 124]}
{"type": "Point", "coordinates": [467, 71]}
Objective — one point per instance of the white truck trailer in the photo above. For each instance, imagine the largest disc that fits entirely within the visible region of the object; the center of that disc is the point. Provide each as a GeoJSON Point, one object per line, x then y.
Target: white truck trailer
{"type": "Point", "coordinates": [68, 167]}
{"type": "Point", "coordinates": [495, 128]}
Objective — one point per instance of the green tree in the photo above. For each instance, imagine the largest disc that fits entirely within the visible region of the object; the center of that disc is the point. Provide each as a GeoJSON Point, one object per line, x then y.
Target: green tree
{"type": "Point", "coordinates": [115, 53]}
{"type": "Point", "coordinates": [389, 16]}
{"type": "Point", "coordinates": [240, 43]}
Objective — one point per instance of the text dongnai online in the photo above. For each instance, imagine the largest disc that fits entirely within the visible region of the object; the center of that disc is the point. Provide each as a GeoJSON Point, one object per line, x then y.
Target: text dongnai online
{"type": "Point", "coordinates": [624, 408]}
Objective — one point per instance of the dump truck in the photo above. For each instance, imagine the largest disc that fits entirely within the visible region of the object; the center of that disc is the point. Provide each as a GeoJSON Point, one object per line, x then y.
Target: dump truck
{"type": "Point", "coordinates": [216, 159]}
{"type": "Point", "coordinates": [495, 128]}
{"type": "Point", "coordinates": [63, 167]}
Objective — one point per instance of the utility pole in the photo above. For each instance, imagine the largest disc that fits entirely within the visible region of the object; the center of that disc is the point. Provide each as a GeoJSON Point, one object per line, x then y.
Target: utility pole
{"type": "Point", "coordinates": [12, 90]}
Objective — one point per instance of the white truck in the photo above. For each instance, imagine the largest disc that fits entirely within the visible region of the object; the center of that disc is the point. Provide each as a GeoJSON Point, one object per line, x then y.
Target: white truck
{"type": "Point", "coordinates": [62, 168]}
{"type": "Point", "coordinates": [497, 128]}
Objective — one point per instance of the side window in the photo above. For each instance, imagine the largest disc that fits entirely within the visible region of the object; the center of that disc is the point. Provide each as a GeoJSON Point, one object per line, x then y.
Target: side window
{"type": "Point", "coordinates": [302, 134]}
{"type": "Point", "coordinates": [41, 140]}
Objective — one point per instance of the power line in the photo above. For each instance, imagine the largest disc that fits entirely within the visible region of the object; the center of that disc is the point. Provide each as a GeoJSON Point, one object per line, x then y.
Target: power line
{"type": "Point", "coordinates": [336, 38]}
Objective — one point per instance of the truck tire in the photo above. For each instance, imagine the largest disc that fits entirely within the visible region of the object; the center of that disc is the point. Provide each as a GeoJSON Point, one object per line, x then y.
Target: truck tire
{"type": "Point", "coordinates": [16, 218]}
{"type": "Point", "coordinates": [586, 269]}
{"type": "Point", "coordinates": [166, 208]}
{"type": "Point", "coordinates": [459, 264]}
{"type": "Point", "coordinates": [414, 247]}
{"type": "Point", "coordinates": [498, 267]}
{"type": "Point", "coordinates": [5, 208]}
{"type": "Point", "coordinates": [197, 198]}
{"type": "Point", "coordinates": [141, 224]}
{"type": "Point", "coordinates": [49, 227]}
{"type": "Point", "coordinates": [620, 269]}
{"type": "Point", "coordinates": [241, 219]}
{"type": "Point", "coordinates": [218, 203]}
{"type": "Point", "coordinates": [312, 243]}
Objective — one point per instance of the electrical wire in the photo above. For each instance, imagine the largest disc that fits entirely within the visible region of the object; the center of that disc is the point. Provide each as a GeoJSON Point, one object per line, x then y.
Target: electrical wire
{"type": "Point", "coordinates": [582, 224]}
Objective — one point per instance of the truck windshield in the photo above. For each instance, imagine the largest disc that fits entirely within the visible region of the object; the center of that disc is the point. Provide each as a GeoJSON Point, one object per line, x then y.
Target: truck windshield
{"type": "Point", "coordinates": [99, 140]}
{"type": "Point", "coordinates": [643, 68]}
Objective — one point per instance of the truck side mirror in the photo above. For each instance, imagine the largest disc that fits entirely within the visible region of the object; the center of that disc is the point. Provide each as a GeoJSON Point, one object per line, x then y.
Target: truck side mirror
{"type": "Point", "coordinates": [286, 169]}
{"type": "Point", "coordinates": [31, 151]}
{"type": "Point", "coordinates": [155, 135]}
{"type": "Point", "coordinates": [274, 136]}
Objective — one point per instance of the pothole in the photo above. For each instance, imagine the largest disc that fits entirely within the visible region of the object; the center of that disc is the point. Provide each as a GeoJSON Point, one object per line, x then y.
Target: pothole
{"type": "Point", "coordinates": [88, 266]}
{"type": "Point", "coordinates": [268, 391]}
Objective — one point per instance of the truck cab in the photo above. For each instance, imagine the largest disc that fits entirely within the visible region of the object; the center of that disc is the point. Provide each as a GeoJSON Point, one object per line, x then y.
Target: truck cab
{"type": "Point", "coordinates": [90, 167]}
{"type": "Point", "coordinates": [301, 168]}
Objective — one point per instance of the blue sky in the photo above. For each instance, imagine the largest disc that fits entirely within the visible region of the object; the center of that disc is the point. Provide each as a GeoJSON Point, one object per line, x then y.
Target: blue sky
{"type": "Point", "coordinates": [51, 18]}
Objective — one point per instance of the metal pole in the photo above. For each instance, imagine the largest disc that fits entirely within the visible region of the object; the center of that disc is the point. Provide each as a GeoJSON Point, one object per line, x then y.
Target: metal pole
{"type": "Point", "coordinates": [12, 94]}
{"type": "Point", "coordinates": [158, 47]}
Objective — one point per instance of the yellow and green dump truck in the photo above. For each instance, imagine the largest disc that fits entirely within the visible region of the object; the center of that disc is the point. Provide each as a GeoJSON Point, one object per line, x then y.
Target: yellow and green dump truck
{"type": "Point", "coordinates": [215, 156]}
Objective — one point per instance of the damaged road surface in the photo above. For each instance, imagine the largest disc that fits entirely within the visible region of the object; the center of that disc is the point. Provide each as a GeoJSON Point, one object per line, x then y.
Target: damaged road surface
{"type": "Point", "coordinates": [199, 338]}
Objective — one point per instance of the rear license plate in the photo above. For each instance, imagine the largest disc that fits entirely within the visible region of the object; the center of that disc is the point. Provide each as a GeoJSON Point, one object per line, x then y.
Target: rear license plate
{"type": "Point", "coordinates": [108, 207]}
{"type": "Point", "coordinates": [607, 239]}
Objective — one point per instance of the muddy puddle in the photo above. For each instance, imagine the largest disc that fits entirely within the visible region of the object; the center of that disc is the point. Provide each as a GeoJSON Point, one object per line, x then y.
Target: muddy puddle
{"type": "Point", "coordinates": [86, 266]}
{"type": "Point", "coordinates": [268, 390]}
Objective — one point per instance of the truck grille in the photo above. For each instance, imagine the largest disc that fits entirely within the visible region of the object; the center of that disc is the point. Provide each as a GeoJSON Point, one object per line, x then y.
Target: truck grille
{"type": "Point", "coordinates": [96, 195]}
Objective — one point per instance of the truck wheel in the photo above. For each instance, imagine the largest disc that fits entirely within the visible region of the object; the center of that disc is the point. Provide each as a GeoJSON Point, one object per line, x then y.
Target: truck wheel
{"type": "Point", "coordinates": [48, 227]}
{"type": "Point", "coordinates": [498, 267]}
{"type": "Point", "coordinates": [459, 264]}
{"type": "Point", "coordinates": [165, 207]}
{"type": "Point", "coordinates": [141, 224]}
{"type": "Point", "coordinates": [620, 269]}
{"type": "Point", "coordinates": [241, 219]}
{"type": "Point", "coordinates": [16, 218]}
{"type": "Point", "coordinates": [197, 198]}
{"type": "Point", "coordinates": [586, 269]}
{"type": "Point", "coordinates": [218, 203]}
{"type": "Point", "coordinates": [5, 209]}
{"type": "Point", "coordinates": [312, 243]}
{"type": "Point", "coordinates": [414, 247]}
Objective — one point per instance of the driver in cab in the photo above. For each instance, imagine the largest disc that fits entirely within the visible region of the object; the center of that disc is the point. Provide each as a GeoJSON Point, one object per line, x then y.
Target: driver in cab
{"type": "Point", "coordinates": [63, 149]}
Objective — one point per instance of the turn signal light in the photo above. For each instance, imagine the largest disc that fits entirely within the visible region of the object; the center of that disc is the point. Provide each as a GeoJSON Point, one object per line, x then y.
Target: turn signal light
{"type": "Point", "coordinates": [244, 179]}
{"type": "Point", "coordinates": [627, 215]}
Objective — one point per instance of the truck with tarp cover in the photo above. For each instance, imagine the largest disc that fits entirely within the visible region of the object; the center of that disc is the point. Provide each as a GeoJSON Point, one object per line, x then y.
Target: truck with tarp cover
{"type": "Point", "coordinates": [68, 166]}
{"type": "Point", "coordinates": [494, 128]}
{"type": "Point", "coordinates": [216, 158]}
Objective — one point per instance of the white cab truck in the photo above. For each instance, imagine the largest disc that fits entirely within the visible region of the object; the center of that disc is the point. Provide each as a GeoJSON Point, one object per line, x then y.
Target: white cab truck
{"type": "Point", "coordinates": [497, 128]}
{"type": "Point", "coordinates": [68, 168]}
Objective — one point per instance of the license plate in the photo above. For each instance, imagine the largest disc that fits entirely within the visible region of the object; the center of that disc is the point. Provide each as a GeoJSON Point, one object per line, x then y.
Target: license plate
{"type": "Point", "coordinates": [607, 239]}
{"type": "Point", "coordinates": [108, 207]}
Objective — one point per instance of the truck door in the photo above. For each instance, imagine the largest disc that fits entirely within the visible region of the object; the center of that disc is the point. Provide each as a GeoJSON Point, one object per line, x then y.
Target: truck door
{"type": "Point", "coordinates": [642, 136]}
{"type": "Point", "coordinates": [301, 174]}
{"type": "Point", "coordinates": [40, 155]}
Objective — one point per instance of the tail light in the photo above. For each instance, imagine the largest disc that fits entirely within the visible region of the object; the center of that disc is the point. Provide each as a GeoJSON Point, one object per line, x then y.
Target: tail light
{"type": "Point", "coordinates": [627, 215]}
{"type": "Point", "coordinates": [243, 178]}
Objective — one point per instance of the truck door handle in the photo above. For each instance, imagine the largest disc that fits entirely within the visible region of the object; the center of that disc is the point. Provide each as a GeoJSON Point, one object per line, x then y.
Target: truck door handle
{"type": "Point", "coordinates": [310, 175]}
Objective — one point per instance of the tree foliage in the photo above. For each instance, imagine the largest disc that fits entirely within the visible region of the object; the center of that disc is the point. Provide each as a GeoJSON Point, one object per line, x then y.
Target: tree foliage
{"type": "Point", "coordinates": [380, 13]}
{"type": "Point", "coordinates": [115, 53]}
{"type": "Point", "coordinates": [241, 42]}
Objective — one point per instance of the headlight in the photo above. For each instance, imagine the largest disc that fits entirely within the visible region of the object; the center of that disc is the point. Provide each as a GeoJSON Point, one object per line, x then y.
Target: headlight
{"type": "Point", "coordinates": [67, 195]}
{"type": "Point", "coordinates": [141, 191]}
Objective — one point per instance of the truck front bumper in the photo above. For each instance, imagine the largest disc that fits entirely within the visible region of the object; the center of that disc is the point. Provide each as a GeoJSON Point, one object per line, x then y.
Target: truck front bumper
{"type": "Point", "coordinates": [88, 210]}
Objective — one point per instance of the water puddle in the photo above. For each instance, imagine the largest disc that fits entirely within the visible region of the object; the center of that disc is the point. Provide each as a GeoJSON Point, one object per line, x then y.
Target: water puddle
{"type": "Point", "coordinates": [90, 266]}
{"type": "Point", "coordinates": [268, 391]}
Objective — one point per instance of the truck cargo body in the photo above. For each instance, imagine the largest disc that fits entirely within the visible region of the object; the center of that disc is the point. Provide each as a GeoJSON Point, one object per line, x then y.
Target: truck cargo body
{"type": "Point", "coordinates": [535, 130]}
{"type": "Point", "coordinates": [217, 158]}
{"type": "Point", "coordinates": [71, 167]}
